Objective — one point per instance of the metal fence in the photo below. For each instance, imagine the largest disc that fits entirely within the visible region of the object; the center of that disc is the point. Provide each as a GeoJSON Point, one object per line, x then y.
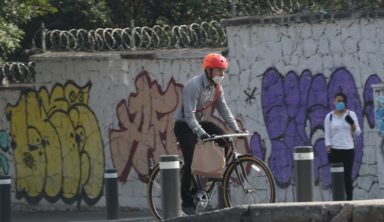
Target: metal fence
{"type": "Point", "coordinates": [12, 73]}
{"type": "Point", "coordinates": [206, 34]}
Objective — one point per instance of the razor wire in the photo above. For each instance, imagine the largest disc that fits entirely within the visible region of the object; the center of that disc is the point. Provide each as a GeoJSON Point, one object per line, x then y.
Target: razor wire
{"type": "Point", "coordinates": [16, 73]}
{"type": "Point", "coordinates": [206, 34]}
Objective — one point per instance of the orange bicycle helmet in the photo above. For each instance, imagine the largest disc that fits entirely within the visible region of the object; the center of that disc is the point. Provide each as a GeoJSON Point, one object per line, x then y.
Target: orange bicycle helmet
{"type": "Point", "coordinates": [214, 60]}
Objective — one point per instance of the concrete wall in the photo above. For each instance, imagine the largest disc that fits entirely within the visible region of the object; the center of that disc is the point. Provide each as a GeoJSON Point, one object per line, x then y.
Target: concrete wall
{"type": "Point", "coordinates": [293, 70]}
{"type": "Point", "coordinates": [88, 112]}
{"type": "Point", "coordinates": [91, 111]}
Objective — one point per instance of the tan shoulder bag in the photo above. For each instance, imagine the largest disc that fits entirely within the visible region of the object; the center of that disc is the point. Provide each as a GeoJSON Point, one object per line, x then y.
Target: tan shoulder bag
{"type": "Point", "coordinates": [208, 160]}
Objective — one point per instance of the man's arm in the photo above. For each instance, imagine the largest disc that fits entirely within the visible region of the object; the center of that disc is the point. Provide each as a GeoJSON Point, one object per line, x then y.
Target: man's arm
{"type": "Point", "coordinates": [225, 112]}
{"type": "Point", "coordinates": [190, 96]}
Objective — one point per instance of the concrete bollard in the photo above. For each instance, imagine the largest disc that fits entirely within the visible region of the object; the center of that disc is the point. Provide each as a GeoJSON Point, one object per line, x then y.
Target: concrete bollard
{"type": "Point", "coordinates": [170, 186]}
{"type": "Point", "coordinates": [338, 185]}
{"type": "Point", "coordinates": [303, 157]}
{"type": "Point", "coordinates": [5, 199]}
{"type": "Point", "coordinates": [111, 194]}
{"type": "Point", "coordinates": [220, 193]}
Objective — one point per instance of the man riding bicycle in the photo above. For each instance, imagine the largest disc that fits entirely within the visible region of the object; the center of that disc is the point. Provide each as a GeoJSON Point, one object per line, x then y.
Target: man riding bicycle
{"type": "Point", "coordinates": [200, 93]}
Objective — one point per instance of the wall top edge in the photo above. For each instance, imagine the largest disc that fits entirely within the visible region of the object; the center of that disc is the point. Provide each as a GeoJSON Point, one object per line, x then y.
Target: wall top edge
{"type": "Point", "coordinates": [119, 55]}
{"type": "Point", "coordinates": [304, 17]}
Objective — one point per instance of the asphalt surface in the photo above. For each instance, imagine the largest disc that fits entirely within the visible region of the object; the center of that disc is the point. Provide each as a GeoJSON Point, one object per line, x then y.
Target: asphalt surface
{"type": "Point", "coordinates": [72, 216]}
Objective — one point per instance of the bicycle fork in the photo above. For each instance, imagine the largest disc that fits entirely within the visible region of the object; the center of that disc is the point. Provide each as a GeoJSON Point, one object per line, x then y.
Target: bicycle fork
{"type": "Point", "coordinates": [243, 179]}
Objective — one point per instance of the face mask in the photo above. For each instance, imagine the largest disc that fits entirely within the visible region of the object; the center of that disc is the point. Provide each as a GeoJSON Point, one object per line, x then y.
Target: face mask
{"type": "Point", "coordinates": [340, 106]}
{"type": "Point", "coordinates": [217, 79]}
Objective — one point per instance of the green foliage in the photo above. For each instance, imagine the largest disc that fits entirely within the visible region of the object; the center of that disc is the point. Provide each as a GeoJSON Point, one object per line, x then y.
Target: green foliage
{"type": "Point", "coordinates": [14, 13]}
{"type": "Point", "coordinates": [21, 11]}
{"type": "Point", "coordinates": [86, 14]}
{"type": "Point", "coordinates": [25, 16]}
{"type": "Point", "coordinates": [10, 36]}
{"type": "Point", "coordinates": [170, 12]}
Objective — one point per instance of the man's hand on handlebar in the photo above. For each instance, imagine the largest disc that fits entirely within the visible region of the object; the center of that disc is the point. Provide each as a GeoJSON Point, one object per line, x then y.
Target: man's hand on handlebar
{"type": "Point", "coordinates": [207, 136]}
{"type": "Point", "coordinates": [241, 131]}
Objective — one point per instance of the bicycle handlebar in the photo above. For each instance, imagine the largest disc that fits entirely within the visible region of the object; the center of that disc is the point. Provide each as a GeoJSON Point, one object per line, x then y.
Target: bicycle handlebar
{"type": "Point", "coordinates": [227, 136]}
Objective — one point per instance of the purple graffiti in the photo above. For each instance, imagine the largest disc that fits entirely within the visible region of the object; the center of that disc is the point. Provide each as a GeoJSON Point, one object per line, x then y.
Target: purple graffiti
{"type": "Point", "coordinates": [294, 108]}
{"type": "Point", "coordinates": [256, 142]}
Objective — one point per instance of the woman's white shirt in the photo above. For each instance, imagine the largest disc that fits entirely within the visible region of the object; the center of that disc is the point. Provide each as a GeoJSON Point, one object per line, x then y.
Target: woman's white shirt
{"type": "Point", "coordinates": [338, 133]}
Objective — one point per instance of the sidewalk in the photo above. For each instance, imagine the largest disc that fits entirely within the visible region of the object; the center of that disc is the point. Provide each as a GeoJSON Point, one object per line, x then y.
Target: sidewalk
{"type": "Point", "coordinates": [335, 211]}
{"type": "Point", "coordinates": [72, 216]}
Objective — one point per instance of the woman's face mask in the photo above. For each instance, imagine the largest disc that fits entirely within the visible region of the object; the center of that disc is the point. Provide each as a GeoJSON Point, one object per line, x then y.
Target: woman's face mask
{"type": "Point", "coordinates": [340, 106]}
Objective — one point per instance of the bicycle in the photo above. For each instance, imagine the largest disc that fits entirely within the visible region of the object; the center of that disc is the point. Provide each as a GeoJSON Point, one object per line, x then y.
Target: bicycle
{"type": "Point", "coordinates": [244, 176]}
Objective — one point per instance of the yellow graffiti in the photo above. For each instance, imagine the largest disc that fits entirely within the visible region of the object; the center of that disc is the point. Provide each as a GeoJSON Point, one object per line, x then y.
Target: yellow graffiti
{"type": "Point", "coordinates": [58, 148]}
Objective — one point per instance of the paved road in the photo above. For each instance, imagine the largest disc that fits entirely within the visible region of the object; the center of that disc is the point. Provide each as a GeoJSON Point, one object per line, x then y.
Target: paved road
{"type": "Point", "coordinates": [71, 216]}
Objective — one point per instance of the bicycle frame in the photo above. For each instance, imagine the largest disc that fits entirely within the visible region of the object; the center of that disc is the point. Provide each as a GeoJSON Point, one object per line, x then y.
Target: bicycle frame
{"type": "Point", "coordinates": [231, 158]}
{"type": "Point", "coordinates": [204, 187]}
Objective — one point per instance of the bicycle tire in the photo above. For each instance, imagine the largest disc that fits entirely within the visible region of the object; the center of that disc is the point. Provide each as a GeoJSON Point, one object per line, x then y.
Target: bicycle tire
{"type": "Point", "coordinates": [151, 179]}
{"type": "Point", "coordinates": [248, 166]}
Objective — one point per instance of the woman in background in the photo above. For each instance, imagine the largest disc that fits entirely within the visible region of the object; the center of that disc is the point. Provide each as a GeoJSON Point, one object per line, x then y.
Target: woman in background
{"type": "Point", "coordinates": [340, 125]}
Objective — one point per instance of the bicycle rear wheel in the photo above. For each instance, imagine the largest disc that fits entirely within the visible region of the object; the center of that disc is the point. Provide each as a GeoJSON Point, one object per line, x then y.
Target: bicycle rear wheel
{"type": "Point", "coordinates": [248, 181]}
{"type": "Point", "coordinates": [154, 192]}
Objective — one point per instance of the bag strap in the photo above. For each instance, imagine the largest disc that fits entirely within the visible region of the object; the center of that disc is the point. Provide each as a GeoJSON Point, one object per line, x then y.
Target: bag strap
{"type": "Point", "coordinates": [330, 116]}
{"type": "Point", "coordinates": [217, 95]}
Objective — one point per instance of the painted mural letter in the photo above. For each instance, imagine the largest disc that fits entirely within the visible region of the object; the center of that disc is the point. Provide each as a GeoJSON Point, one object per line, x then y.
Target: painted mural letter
{"type": "Point", "coordinates": [4, 146]}
{"type": "Point", "coordinates": [57, 145]}
{"type": "Point", "coordinates": [294, 108]}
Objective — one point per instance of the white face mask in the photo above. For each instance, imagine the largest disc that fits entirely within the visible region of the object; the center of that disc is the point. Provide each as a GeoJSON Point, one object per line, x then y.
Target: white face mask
{"type": "Point", "coordinates": [217, 79]}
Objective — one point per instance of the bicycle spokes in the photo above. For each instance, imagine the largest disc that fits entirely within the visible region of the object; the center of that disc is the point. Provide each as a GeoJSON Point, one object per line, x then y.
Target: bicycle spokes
{"type": "Point", "coordinates": [248, 190]}
{"type": "Point", "coordinates": [156, 182]}
{"type": "Point", "coordinates": [248, 181]}
{"type": "Point", "coordinates": [242, 177]}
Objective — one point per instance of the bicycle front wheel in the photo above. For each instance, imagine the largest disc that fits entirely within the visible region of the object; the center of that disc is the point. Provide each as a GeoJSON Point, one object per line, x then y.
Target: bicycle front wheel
{"type": "Point", "coordinates": [248, 181]}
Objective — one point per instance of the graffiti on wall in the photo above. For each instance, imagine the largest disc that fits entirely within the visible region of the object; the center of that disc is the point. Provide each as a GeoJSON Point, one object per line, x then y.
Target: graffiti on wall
{"type": "Point", "coordinates": [251, 96]}
{"type": "Point", "coordinates": [294, 107]}
{"type": "Point", "coordinates": [57, 145]}
{"type": "Point", "coordinates": [4, 147]}
{"type": "Point", "coordinates": [146, 123]}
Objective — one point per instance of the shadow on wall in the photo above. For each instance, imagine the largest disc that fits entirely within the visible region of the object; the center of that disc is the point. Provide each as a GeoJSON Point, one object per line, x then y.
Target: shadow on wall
{"type": "Point", "coordinates": [57, 145]}
{"type": "Point", "coordinates": [294, 107]}
{"type": "Point", "coordinates": [145, 130]}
